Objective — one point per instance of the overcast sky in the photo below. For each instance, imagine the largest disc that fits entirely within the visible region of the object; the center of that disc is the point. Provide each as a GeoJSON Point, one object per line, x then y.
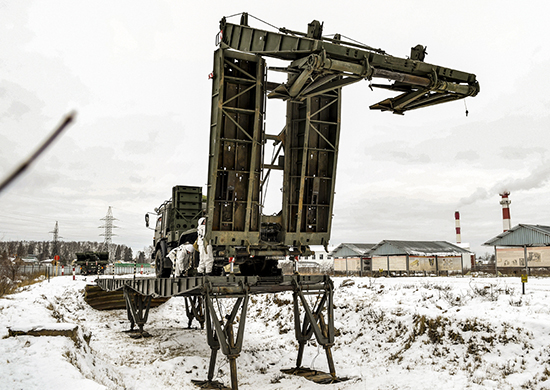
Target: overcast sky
{"type": "Point", "coordinates": [136, 73]}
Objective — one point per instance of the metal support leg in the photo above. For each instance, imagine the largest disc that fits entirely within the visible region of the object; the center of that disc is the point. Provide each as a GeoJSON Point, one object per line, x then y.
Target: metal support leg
{"type": "Point", "coordinates": [234, 355]}
{"type": "Point", "coordinates": [214, 346]}
{"type": "Point", "coordinates": [137, 307]}
{"type": "Point", "coordinates": [129, 309]}
{"type": "Point", "coordinates": [303, 333]}
{"type": "Point", "coordinates": [194, 308]}
{"type": "Point", "coordinates": [330, 361]}
{"type": "Point", "coordinates": [230, 345]}
{"type": "Point", "coordinates": [314, 323]}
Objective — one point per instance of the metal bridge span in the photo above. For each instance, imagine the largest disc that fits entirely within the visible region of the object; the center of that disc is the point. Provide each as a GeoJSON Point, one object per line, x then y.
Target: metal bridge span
{"type": "Point", "coordinates": [200, 293]}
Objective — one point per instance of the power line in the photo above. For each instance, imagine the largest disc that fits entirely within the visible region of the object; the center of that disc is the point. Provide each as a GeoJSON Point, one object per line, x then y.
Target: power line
{"type": "Point", "coordinates": [42, 147]}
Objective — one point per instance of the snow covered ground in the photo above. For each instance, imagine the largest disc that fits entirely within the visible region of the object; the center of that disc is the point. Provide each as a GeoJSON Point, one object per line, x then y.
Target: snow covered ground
{"type": "Point", "coordinates": [393, 333]}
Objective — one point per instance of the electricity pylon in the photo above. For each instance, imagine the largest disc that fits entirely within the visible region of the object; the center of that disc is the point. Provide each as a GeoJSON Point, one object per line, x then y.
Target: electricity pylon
{"type": "Point", "coordinates": [56, 238]}
{"type": "Point", "coordinates": [108, 226]}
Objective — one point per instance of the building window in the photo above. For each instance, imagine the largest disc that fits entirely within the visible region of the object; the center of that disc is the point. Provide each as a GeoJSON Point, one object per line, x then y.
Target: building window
{"type": "Point", "coordinates": [321, 256]}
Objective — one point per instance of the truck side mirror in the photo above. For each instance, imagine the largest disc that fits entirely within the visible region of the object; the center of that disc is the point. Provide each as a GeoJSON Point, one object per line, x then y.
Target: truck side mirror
{"type": "Point", "coordinates": [146, 220]}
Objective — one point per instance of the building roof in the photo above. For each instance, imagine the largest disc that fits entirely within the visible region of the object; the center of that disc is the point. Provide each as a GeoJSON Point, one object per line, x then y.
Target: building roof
{"type": "Point", "coordinates": [523, 235]}
{"type": "Point", "coordinates": [417, 248]}
{"type": "Point", "coordinates": [30, 259]}
{"type": "Point", "coordinates": [351, 250]}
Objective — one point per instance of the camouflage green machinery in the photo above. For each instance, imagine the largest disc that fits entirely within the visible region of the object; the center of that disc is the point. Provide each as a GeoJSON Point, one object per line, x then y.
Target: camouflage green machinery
{"type": "Point", "coordinates": [92, 263]}
{"type": "Point", "coordinates": [177, 221]}
{"type": "Point", "coordinates": [306, 151]}
{"type": "Point", "coordinates": [307, 147]}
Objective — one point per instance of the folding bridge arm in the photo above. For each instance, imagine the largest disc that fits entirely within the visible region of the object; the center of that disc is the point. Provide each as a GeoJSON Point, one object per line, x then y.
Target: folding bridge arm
{"type": "Point", "coordinates": [319, 65]}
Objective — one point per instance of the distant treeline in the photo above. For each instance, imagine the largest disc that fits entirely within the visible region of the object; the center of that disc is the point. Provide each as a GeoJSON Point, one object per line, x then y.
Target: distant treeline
{"type": "Point", "coordinates": [66, 250]}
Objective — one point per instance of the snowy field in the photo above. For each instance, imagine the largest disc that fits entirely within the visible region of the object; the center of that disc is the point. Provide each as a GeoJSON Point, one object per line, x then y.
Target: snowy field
{"type": "Point", "coordinates": [393, 333]}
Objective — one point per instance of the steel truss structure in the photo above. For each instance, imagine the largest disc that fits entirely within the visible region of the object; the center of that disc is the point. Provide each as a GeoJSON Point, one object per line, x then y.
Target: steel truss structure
{"type": "Point", "coordinates": [307, 150]}
{"type": "Point", "coordinates": [227, 334]}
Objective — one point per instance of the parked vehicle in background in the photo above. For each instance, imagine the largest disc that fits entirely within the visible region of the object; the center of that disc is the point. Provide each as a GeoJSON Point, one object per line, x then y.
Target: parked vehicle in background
{"type": "Point", "coordinates": [92, 263]}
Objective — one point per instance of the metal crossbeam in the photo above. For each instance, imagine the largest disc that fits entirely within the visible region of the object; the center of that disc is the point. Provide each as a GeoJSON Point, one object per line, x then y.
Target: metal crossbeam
{"type": "Point", "coordinates": [137, 306]}
{"type": "Point", "coordinates": [221, 285]}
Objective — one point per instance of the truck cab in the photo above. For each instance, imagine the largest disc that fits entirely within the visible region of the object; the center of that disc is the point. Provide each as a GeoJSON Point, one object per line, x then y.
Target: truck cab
{"type": "Point", "coordinates": [177, 221]}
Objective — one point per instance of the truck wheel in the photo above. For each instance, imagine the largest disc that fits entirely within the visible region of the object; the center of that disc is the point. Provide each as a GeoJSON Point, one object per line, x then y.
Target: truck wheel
{"type": "Point", "coordinates": [159, 266]}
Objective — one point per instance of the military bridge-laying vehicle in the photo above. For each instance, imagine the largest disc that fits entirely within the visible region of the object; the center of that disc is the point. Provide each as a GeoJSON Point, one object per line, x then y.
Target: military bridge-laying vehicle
{"type": "Point", "coordinates": [306, 148]}
{"type": "Point", "coordinates": [306, 151]}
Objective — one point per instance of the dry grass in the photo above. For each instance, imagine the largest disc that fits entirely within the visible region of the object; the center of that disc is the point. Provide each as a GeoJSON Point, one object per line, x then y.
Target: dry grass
{"type": "Point", "coordinates": [10, 282]}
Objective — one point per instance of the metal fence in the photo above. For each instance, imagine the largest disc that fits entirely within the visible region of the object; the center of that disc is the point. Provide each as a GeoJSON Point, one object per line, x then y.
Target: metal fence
{"type": "Point", "coordinates": [125, 269]}
{"type": "Point", "coordinates": [118, 269]}
{"type": "Point", "coordinates": [490, 269]}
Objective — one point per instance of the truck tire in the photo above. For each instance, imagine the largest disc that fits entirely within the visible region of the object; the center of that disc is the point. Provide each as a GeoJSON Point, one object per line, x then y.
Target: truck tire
{"type": "Point", "coordinates": [161, 271]}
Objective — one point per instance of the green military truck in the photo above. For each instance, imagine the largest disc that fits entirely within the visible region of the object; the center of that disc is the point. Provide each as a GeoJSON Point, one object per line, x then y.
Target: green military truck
{"type": "Point", "coordinates": [177, 221]}
{"type": "Point", "coordinates": [305, 151]}
{"type": "Point", "coordinates": [92, 263]}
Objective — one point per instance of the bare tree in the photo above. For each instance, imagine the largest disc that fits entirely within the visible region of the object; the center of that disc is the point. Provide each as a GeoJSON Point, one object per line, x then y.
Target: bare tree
{"type": "Point", "coordinates": [9, 273]}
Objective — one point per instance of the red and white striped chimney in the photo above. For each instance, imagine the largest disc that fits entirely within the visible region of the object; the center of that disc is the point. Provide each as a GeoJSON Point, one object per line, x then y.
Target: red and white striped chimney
{"type": "Point", "coordinates": [505, 202]}
{"type": "Point", "coordinates": [457, 224]}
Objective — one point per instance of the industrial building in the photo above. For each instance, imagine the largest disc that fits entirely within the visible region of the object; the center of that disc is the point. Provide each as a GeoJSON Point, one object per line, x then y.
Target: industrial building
{"type": "Point", "coordinates": [319, 254]}
{"type": "Point", "coordinates": [513, 246]}
{"type": "Point", "coordinates": [351, 258]}
{"type": "Point", "coordinates": [402, 257]}
{"type": "Point", "coordinates": [425, 257]}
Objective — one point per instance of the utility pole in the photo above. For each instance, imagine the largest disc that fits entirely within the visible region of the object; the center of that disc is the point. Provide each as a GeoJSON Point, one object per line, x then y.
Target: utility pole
{"type": "Point", "coordinates": [108, 226]}
{"type": "Point", "coordinates": [56, 238]}
{"type": "Point", "coordinates": [55, 250]}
